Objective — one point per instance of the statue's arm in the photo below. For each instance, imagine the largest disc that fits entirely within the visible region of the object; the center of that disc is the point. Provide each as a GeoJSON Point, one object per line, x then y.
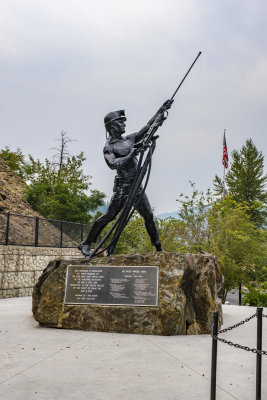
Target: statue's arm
{"type": "Point", "coordinates": [117, 162]}
{"type": "Point", "coordinates": [137, 136]}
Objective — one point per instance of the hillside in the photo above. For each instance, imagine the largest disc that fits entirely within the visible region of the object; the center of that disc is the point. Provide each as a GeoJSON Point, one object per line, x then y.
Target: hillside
{"type": "Point", "coordinates": [21, 229]}
{"type": "Point", "coordinates": [12, 191]}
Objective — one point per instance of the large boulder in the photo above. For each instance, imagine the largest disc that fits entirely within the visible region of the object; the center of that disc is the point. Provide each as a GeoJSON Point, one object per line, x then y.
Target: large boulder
{"type": "Point", "coordinates": [187, 297]}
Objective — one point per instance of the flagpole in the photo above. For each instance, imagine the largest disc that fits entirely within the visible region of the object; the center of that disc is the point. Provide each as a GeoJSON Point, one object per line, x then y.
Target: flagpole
{"type": "Point", "coordinates": [224, 191]}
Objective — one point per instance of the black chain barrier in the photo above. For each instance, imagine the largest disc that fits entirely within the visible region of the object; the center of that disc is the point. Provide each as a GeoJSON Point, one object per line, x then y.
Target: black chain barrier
{"type": "Point", "coordinates": [258, 351]}
{"type": "Point", "coordinates": [239, 346]}
{"type": "Point", "coordinates": [238, 324]}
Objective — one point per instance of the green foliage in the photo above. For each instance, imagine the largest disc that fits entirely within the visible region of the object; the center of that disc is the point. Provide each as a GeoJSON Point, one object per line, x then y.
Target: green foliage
{"type": "Point", "coordinates": [171, 232]}
{"type": "Point", "coordinates": [261, 272]}
{"type": "Point", "coordinates": [188, 233]}
{"type": "Point", "coordinates": [218, 186]}
{"type": "Point", "coordinates": [134, 238]}
{"type": "Point", "coordinates": [193, 223]}
{"type": "Point", "coordinates": [255, 297]}
{"type": "Point", "coordinates": [14, 159]}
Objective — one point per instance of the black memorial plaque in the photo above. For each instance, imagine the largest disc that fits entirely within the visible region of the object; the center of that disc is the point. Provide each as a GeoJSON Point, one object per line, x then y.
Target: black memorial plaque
{"type": "Point", "coordinates": [105, 285]}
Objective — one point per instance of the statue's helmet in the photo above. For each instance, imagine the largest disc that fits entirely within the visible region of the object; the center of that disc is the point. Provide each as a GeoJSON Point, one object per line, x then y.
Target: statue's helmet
{"type": "Point", "coordinates": [113, 116]}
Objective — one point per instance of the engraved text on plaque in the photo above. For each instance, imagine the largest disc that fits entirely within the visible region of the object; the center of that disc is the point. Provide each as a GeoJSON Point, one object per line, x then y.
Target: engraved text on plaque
{"type": "Point", "coordinates": [116, 285]}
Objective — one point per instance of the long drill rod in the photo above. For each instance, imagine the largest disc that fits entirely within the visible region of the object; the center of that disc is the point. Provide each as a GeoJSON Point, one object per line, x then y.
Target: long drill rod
{"type": "Point", "coordinates": [153, 127]}
{"type": "Point", "coordinates": [185, 76]}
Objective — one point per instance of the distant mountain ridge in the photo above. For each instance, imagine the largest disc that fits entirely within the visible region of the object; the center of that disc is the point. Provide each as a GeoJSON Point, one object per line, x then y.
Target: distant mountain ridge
{"type": "Point", "coordinates": [173, 214]}
{"type": "Point", "coordinates": [102, 209]}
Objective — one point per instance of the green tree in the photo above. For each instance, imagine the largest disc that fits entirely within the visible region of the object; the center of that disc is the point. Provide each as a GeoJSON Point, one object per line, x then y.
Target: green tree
{"type": "Point", "coordinates": [221, 227]}
{"type": "Point", "coordinates": [14, 159]}
{"type": "Point", "coordinates": [245, 180]}
{"type": "Point", "coordinates": [57, 189]}
{"type": "Point", "coordinates": [60, 193]}
{"type": "Point", "coordinates": [236, 241]}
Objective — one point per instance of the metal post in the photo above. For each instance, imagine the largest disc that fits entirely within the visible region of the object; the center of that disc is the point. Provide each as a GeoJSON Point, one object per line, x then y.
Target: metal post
{"type": "Point", "coordinates": [214, 357]}
{"type": "Point", "coordinates": [259, 347]}
{"type": "Point", "coordinates": [240, 294]}
{"type": "Point", "coordinates": [36, 231]}
{"type": "Point", "coordinates": [7, 227]}
{"type": "Point", "coordinates": [81, 232]}
{"type": "Point", "coordinates": [61, 233]}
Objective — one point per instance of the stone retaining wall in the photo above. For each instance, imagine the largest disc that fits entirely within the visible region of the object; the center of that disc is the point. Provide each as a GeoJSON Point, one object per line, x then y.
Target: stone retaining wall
{"type": "Point", "coordinates": [20, 267]}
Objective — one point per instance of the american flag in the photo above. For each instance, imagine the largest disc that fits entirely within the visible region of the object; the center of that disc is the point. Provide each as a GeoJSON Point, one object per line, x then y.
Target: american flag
{"type": "Point", "coordinates": [225, 153]}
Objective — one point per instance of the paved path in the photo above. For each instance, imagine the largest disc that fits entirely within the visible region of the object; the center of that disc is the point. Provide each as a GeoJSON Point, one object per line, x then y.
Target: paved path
{"type": "Point", "coordinates": [39, 363]}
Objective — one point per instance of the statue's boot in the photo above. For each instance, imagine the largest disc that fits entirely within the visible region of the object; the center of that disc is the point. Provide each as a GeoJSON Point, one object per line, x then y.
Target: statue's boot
{"type": "Point", "coordinates": [158, 246]}
{"type": "Point", "coordinates": [85, 248]}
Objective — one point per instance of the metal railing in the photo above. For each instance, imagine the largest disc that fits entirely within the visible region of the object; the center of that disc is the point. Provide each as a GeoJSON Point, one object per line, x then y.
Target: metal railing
{"type": "Point", "coordinates": [258, 351]}
{"type": "Point", "coordinates": [23, 230]}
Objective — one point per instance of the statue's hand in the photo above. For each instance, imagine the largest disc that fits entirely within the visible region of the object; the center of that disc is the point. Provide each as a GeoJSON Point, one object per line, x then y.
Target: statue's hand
{"type": "Point", "coordinates": [166, 106]}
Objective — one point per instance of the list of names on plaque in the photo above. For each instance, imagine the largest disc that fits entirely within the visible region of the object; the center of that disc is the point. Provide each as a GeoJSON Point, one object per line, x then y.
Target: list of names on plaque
{"type": "Point", "coordinates": [114, 285]}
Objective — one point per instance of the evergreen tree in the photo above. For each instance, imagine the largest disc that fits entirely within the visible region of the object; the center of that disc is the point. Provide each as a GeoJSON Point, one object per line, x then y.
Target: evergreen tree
{"type": "Point", "coordinates": [245, 181]}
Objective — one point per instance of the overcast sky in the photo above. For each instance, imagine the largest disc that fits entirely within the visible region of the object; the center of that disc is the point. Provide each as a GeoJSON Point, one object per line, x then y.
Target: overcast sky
{"type": "Point", "coordinates": [65, 64]}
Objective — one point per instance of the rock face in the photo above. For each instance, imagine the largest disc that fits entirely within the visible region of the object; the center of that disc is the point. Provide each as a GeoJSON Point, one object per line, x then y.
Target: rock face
{"type": "Point", "coordinates": [186, 300]}
{"type": "Point", "coordinates": [22, 230]}
{"type": "Point", "coordinates": [12, 192]}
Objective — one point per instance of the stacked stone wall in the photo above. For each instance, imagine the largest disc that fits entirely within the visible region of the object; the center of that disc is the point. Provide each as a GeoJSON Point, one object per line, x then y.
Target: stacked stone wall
{"type": "Point", "coordinates": [21, 266]}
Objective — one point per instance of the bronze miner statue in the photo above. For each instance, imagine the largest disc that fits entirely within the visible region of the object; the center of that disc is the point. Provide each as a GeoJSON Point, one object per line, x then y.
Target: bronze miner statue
{"type": "Point", "coordinates": [120, 154]}
{"type": "Point", "coordinates": [131, 157]}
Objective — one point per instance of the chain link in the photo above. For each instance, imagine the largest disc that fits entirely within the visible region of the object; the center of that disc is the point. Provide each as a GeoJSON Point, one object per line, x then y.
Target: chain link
{"type": "Point", "coordinates": [237, 325]}
{"type": "Point", "coordinates": [239, 346]}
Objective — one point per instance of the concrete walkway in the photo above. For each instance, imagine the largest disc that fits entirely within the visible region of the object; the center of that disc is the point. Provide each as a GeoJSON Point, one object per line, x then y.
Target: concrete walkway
{"type": "Point", "coordinates": [46, 364]}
